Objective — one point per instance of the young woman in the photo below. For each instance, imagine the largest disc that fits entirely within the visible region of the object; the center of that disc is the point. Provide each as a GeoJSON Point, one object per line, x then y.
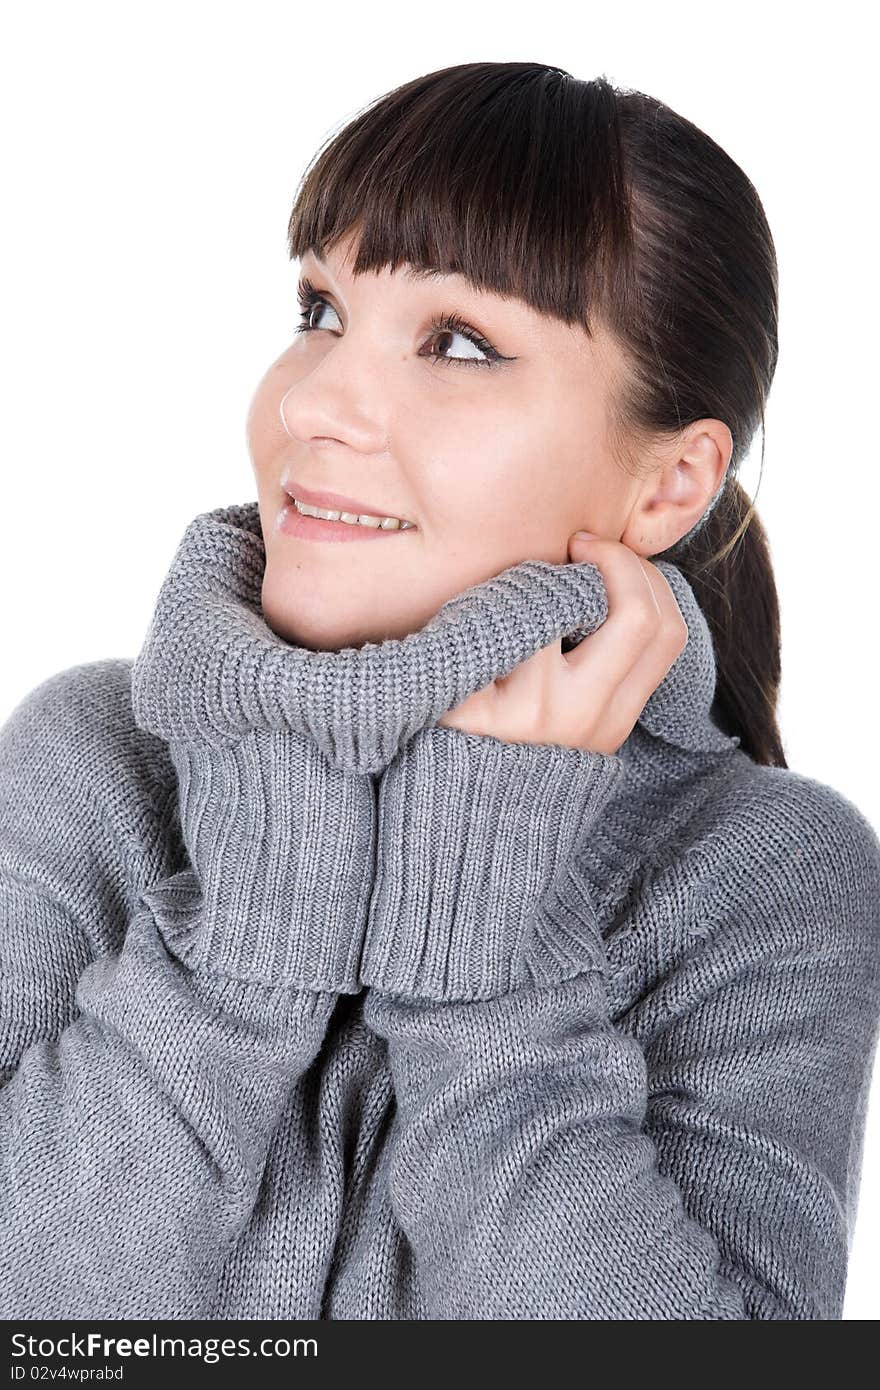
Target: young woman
{"type": "Point", "coordinates": [427, 924]}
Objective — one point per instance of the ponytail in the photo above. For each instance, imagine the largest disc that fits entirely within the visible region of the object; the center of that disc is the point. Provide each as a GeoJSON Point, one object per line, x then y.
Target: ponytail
{"type": "Point", "coordinates": [727, 563]}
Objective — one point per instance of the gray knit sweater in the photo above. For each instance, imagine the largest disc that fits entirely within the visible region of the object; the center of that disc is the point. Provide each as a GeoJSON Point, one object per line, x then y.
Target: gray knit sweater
{"type": "Point", "coordinates": [312, 1008]}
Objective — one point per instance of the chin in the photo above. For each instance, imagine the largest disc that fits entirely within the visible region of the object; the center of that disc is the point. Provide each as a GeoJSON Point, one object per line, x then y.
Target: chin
{"type": "Point", "coordinates": [326, 609]}
{"type": "Point", "coordinates": [314, 627]}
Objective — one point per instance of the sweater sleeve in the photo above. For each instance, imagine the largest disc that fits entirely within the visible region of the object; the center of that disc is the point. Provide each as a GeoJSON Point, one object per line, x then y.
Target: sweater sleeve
{"type": "Point", "coordinates": [139, 1088]}
{"type": "Point", "coordinates": [548, 1162]}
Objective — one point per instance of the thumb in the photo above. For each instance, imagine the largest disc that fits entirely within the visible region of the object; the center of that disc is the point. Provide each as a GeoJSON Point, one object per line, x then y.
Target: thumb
{"type": "Point", "coordinates": [578, 543]}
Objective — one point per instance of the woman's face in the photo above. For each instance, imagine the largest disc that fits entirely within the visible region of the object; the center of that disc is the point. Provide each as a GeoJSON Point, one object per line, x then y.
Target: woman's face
{"type": "Point", "coordinates": [492, 464]}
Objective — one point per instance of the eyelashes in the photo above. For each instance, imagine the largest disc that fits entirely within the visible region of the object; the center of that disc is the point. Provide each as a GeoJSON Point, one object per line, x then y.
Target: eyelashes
{"type": "Point", "coordinates": [309, 298]}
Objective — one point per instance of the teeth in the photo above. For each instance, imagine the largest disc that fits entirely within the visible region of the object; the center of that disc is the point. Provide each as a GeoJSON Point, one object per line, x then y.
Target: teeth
{"type": "Point", "coordinates": [385, 523]}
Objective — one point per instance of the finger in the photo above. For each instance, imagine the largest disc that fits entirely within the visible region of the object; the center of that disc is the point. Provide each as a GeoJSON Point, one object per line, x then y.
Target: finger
{"type": "Point", "coordinates": [658, 658]}
{"type": "Point", "coordinates": [674, 630]}
{"type": "Point", "coordinates": [633, 622]}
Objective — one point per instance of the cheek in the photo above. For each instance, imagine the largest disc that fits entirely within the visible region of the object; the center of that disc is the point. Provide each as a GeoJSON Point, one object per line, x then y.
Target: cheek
{"type": "Point", "coordinates": [459, 424]}
{"type": "Point", "coordinates": [494, 469]}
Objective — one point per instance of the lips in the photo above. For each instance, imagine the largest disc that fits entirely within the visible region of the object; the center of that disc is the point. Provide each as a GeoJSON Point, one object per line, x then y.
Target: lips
{"type": "Point", "coordinates": [338, 502]}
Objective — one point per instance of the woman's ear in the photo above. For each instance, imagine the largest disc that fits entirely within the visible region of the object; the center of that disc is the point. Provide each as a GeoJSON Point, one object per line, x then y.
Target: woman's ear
{"type": "Point", "coordinates": [677, 493]}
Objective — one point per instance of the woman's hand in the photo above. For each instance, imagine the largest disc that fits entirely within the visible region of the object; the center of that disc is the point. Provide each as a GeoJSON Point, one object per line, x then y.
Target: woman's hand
{"type": "Point", "coordinates": [591, 697]}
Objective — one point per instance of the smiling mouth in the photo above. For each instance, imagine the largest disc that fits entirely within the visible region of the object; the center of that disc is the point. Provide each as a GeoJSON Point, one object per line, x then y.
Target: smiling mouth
{"type": "Point", "coordinates": [376, 523]}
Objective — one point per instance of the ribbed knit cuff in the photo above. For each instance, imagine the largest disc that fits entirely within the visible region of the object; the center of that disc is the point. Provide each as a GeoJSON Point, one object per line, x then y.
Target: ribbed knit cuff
{"type": "Point", "coordinates": [282, 845]}
{"type": "Point", "coordinates": [471, 833]}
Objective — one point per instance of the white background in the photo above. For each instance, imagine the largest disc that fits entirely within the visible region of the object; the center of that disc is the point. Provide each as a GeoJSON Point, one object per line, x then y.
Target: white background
{"type": "Point", "coordinates": [151, 157]}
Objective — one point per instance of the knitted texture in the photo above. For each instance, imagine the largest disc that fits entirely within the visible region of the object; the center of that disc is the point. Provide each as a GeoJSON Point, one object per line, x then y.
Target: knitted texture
{"type": "Point", "coordinates": [313, 1008]}
{"type": "Point", "coordinates": [211, 668]}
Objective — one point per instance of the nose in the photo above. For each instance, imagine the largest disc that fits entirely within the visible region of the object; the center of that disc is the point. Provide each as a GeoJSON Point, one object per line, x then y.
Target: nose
{"type": "Point", "coordinates": [326, 406]}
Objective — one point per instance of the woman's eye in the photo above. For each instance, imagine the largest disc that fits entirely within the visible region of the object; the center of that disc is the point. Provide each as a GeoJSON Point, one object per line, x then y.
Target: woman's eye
{"type": "Point", "coordinates": [308, 315]}
{"type": "Point", "coordinates": [469, 352]}
{"type": "Point", "coordinates": [472, 350]}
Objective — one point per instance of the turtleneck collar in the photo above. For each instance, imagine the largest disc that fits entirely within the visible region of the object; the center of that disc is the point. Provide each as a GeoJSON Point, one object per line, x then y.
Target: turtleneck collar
{"type": "Point", "coordinates": [211, 668]}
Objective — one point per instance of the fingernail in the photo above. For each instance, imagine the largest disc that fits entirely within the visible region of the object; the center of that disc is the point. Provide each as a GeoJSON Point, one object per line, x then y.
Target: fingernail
{"type": "Point", "coordinates": [584, 536]}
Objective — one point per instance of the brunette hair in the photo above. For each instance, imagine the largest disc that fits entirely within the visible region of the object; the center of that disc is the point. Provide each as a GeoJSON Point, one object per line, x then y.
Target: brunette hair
{"type": "Point", "coordinates": [593, 204]}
